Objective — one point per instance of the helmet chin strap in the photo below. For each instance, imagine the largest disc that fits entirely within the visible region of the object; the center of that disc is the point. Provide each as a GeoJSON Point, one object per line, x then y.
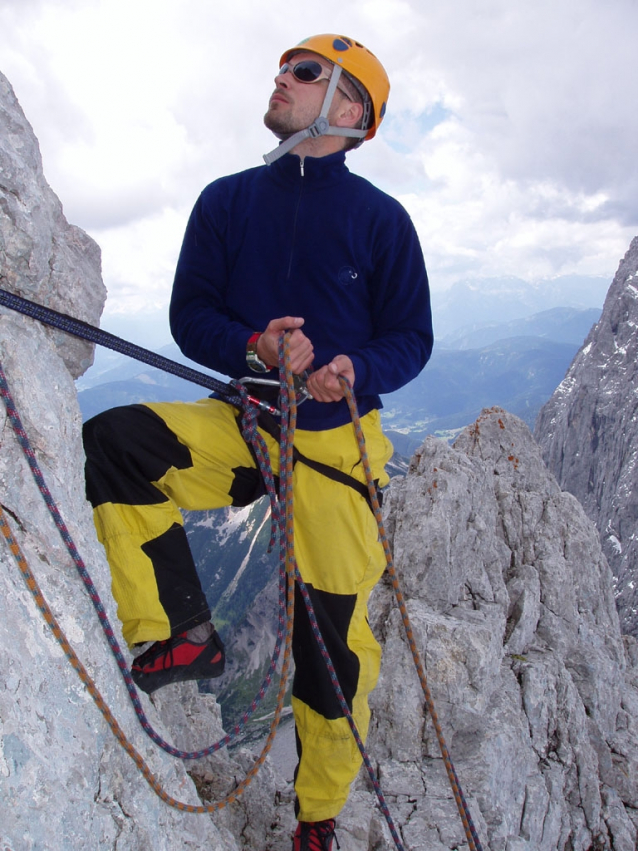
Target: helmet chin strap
{"type": "Point", "coordinates": [319, 127]}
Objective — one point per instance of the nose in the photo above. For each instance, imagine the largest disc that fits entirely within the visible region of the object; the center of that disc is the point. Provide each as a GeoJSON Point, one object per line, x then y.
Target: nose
{"type": "Point", "coordinates": [281, 79]}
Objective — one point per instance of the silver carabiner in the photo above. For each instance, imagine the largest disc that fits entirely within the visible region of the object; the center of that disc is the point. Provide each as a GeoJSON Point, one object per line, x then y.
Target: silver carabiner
{"type": "Point", "coordinates": [301, 388]}
{"type": "Point", "coordinates": [299, 381]}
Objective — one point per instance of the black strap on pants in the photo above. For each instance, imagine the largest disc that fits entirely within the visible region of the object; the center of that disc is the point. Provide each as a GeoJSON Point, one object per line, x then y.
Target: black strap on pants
{"type": "Point", "coordinates": [271, 426]}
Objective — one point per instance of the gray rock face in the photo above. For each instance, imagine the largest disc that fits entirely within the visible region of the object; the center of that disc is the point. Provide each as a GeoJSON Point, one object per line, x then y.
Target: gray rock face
{"type": "Point", "coordinates": [511, 604]}
{"type": "Point", "coordinates": [65, 783]}
{"type": "Point", "coordinates": [512, 608]}
{"type": "Point", "coordinates": [42, 256]}
{"type": "Point", "coordinates": [589, 436]}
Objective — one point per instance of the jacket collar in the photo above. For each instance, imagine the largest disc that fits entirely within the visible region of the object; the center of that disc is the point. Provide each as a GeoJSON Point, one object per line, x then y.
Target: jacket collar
{"type": "Point", "coordinates": [315, 169]}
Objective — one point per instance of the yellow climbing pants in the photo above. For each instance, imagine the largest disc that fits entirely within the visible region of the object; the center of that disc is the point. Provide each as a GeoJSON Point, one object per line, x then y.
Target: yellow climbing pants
{"type": "Point", "coordinates": [145, 462]}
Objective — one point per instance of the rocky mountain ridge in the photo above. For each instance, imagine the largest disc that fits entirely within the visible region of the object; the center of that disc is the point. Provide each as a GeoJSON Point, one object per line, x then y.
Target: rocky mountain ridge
{"type": "Point", "coordinates": [509, 595]}
{"type": "Point", "coordinates": [512, 603]}
{"type": "Point", "coordinates": [589, 434]}
{"type": "Point", "coordinates": [471, 301]}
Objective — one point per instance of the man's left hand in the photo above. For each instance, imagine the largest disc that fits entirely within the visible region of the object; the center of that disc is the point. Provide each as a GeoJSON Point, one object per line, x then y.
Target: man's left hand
{"type": "Point", "coordinates": [324, 384]}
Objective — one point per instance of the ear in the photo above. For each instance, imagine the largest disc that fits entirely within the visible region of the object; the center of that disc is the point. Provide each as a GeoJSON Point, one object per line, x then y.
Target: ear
{"type": "Point", "coordinates": [349, 113]}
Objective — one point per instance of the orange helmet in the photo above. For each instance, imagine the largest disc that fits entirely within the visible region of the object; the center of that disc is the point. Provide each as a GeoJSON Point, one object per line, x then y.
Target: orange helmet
{"type": "Point", "coordinates": [358, 62]}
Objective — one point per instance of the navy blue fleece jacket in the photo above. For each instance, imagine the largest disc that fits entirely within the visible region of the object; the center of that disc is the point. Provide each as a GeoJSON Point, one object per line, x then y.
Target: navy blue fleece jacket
{"type": "Point", "coordinates": [317, 242]}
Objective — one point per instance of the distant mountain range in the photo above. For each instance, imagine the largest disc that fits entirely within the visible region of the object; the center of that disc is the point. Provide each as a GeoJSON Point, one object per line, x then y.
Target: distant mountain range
{"type": "Point", "coordinates": [501, 300]}
{"type": "Point", "coordinates": [558, 324]}
{"type": "Point", "coordinates": [117, 380]}
{"type": "Point", "coordinates": [515, 373]}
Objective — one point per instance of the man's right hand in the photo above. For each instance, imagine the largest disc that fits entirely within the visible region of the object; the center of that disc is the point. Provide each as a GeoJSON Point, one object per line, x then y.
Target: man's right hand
{"type": "Point", "coordinates": [300, 347]}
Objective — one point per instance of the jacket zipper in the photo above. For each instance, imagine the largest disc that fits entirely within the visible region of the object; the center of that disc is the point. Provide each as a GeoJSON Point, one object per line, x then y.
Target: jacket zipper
{"type": "Point", "coordinates": [294, 222]}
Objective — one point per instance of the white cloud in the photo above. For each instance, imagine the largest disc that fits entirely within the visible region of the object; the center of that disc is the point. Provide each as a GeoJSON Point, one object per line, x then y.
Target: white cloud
{"type": "Point", "coordinates": [510, 135]}
{"type": "Point", "coordinates": [138, 259]}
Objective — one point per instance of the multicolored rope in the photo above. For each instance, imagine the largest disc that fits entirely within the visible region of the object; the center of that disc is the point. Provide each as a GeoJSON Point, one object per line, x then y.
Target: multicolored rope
{"type": "Point", "coordinates": [284, 525]}
{"type": "Point", "coordinates": [110, 719]}
{"type": "Point", "coordinates": [464, 811]}
{"type": "Point", "coordinates": [107, 627]}
{"type": "Point", "coordinates": [288, 424]}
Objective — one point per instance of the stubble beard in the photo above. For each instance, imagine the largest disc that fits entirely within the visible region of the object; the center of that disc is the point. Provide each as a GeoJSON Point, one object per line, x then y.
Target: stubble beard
{"type": "Point", "coordinates": [280, 125]}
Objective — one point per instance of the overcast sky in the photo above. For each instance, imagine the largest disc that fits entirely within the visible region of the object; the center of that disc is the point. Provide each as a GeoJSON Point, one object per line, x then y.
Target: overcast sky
{"type": "Point", "coordinates": [510, 134]}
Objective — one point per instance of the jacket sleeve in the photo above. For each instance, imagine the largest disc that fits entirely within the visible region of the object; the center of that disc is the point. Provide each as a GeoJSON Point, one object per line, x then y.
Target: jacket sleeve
{"type": "Point", "coordinates": [201, 324]}
{"type": "Point", "coordinates": [402, 338]}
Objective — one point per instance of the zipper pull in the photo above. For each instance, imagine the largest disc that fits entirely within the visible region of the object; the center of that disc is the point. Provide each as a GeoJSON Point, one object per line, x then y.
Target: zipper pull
{"type": "Point", "coordinates": [301, 165]}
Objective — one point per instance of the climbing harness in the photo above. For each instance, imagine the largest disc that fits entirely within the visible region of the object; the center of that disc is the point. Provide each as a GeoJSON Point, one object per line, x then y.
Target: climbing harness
{"type": "Point", "coordinates": [289, 573]}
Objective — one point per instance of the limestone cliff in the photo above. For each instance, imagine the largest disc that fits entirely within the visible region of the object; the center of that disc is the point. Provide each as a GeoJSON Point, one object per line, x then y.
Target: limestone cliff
{"type": "Point", "coordinates": [512, 604]}
{"type": "Point", "coordinates": [42, 256]}
{"type": "Point", "coordinates": [589, 434]}
{"type": "Point", "coordinates": [64, 782]}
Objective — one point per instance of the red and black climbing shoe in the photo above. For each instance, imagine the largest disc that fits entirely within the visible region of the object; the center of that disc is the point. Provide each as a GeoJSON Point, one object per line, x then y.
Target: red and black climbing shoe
{"type": "Point", "coordinates": [178, 659]}
{"type": "Point", "coordinates": [314, 836]}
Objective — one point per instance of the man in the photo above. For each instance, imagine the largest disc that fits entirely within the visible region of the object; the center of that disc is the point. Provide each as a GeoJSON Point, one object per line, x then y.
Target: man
{"type": "Point", "coordinates": [304, 246]}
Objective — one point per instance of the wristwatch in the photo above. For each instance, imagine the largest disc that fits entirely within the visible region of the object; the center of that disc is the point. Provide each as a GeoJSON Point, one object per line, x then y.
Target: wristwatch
{"type": "Point", "coordinates": [252, 358]}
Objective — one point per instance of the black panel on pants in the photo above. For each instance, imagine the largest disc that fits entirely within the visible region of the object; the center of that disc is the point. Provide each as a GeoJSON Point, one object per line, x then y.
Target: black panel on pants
{"type": "Point", "coordinates": [180, 591]}
{"type": "Point", "coordinates": [247, 486]}
{"type": "Point", "coordinates": [127, 448]}
{"type": "Point", "coordinates": [312, 682]}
